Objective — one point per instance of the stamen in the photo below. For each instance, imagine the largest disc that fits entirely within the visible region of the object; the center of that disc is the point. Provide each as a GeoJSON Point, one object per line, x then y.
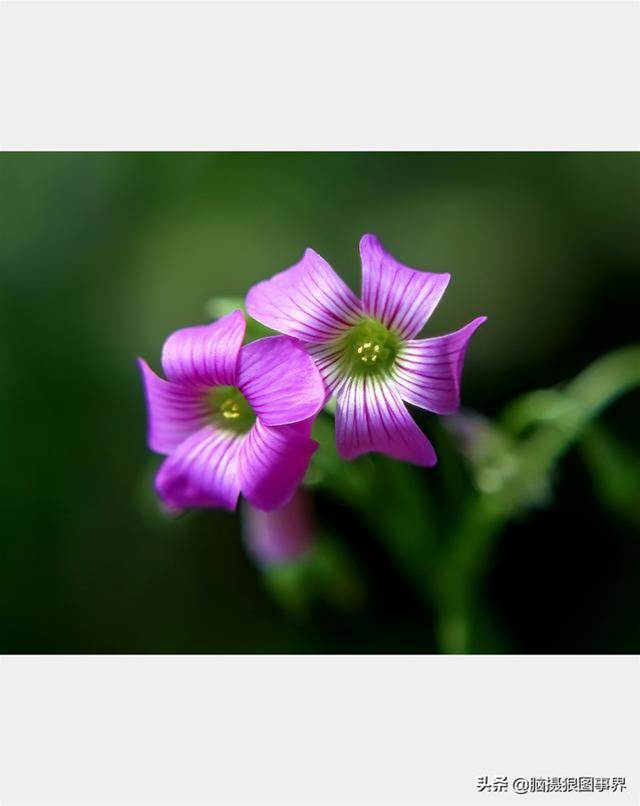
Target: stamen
{"type": "Point", "coordinates": [230, 409]}
{"type": "Point", "coordinates": [368, 352]}
{"type": "Point", "coordinates": [368, 347]}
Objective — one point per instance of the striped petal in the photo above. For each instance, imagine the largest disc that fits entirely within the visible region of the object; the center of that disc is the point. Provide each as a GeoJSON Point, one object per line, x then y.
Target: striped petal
{"type": "Point", "coordinates": [202, 471]}
{"type": "Point", "coordinates": [174, 412]}
{"type": "Point", "coordinates": [399, 297]}
{"type": "Point", "coordinates": [205, 355]}
{"type": "Point", "coordinates": [273, 461]}
{"type": "Point", "coordinates": [427, 372]}
{"type": "Point", "coordinates": [308, 301]}
{"type": "Point", "coordinates": [370, 416]}
{"type": "Point", "coordinates": [329, 361]}
{"type": "Point", "coordinates": [280, 380]}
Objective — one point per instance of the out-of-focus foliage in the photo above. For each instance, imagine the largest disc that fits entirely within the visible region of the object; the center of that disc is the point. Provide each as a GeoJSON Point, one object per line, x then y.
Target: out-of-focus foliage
{"type": "Point", "coordinates": [103, 255]}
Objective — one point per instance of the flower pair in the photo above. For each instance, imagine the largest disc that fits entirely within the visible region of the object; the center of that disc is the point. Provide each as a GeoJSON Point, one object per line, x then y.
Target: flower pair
{"type": "Point", "coordinates": [237, 418]}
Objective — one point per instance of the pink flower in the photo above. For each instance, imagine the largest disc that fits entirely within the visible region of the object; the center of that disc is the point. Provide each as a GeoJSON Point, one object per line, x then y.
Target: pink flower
{"type": "Point", "coordinates": [231, 419]}
{"type": "Point", "coordinates": [367, 349]}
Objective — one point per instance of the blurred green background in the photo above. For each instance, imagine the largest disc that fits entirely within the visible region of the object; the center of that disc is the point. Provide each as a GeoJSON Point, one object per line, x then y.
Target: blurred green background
{"type": "Point", "coordinates": [103, 255]}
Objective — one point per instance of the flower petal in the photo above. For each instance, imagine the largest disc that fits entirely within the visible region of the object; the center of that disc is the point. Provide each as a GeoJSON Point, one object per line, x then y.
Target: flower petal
{"type": "Point", "coordinates": [173, 411]}
{"type": "Point", "coordinates": [427, 371]}
{"type": "Point", "coordinates": [329, 361]}
{"type": "Point", "coordinates": [308, 301]}
{"type": "Point", "coordinates": [273, 461]}
{"type": "Point", "coordinates": [370, 416]}
{"type": "Point", "coordinates": [280, 380]}
{"type": "Point", "coordinates": [205, 355]}
{"type": "Point", "coordinates": [202, 471]}
{"type": "Point", "coordinates": [399, 297]}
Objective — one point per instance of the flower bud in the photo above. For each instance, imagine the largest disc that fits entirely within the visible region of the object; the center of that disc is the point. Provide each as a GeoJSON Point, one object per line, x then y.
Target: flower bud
{"type": "Point", "coordinates": [280, 536]}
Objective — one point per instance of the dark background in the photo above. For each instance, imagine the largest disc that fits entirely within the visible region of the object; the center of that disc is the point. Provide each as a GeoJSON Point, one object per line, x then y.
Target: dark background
{"type": "Point", "coordinates": [103, 255]}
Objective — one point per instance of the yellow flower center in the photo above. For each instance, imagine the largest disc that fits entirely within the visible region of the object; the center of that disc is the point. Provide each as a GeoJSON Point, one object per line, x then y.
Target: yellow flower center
{"type": "Point", "coordinates": [368, 352]}
{"type": "Point", "coordinates": [229, 409]}
{"type": "Point", "coordinates": [368, 348]}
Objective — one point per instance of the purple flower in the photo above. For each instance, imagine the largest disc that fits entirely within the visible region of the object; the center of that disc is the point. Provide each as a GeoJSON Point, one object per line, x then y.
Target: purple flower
{"type": "Point", "coordinates": [231, 419]}
{"type": "Point", "coordinates": [281, 536]}
{"type": "Point", "coordinates": [367, 349]}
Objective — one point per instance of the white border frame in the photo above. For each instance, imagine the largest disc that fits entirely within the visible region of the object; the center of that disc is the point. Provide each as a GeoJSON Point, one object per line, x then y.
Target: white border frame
{"type": "Point", "coordinates": [320, 75]}
{"type": "Point", "coordinates": [297, 730]}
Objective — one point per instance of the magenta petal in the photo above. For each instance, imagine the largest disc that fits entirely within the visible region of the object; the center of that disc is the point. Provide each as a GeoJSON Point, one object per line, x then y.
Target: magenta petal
{"type": "Point", "coordinates": [329, 361]}
{"type": "Point", "coordinates": [427, 371]}
{"type": "Point", "coordinates": [370, 416]}
{"type": "Point", "coordinates": [173, 411]}
{"type": "Point", "coordinates": [205, 355]}
{"type": "Point", "coordinates": [308, 301]}
{"type": "Point", "coordinates": [202, 471]}
{"type": "Point", "coordinates": [280, 380]}
{"type": "Point", "coordinates": [272, 463]}
{"type": "Point", "coordinates": [399, 297]}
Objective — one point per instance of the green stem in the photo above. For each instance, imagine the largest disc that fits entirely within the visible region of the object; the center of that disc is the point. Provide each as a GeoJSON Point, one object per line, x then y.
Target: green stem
{"type": "Point", "coordinates": [463, 560]}
{"type": "Point", "coordinates": [615, 470]}
{"type": "Point", "coordinates": [390, 498]}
